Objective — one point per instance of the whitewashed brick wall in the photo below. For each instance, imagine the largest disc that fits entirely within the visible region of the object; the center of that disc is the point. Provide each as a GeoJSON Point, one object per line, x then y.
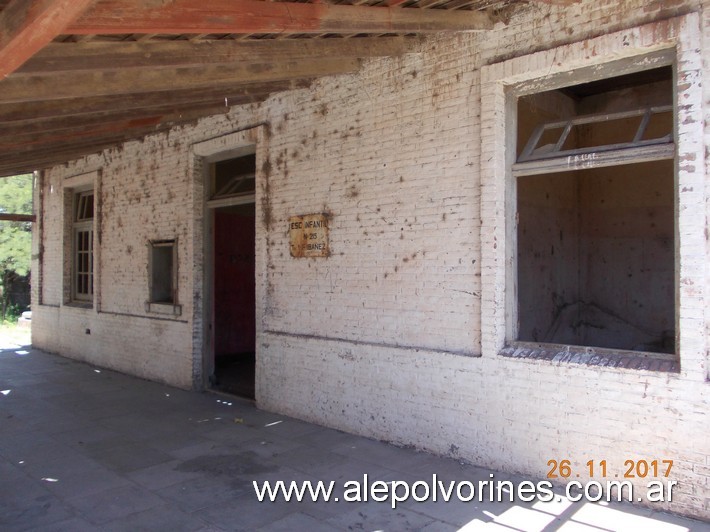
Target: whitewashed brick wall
{"type": "Point", "coordinates": [384, 337]}
{"type": "Point", "coordinates": [146, 193]}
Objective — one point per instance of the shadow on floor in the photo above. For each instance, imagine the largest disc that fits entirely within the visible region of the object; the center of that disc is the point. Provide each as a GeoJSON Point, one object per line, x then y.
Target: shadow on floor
{"type": "Point", "coordinates": [234, 375]}
{"type": "Point", "coordinates": [85, 448]}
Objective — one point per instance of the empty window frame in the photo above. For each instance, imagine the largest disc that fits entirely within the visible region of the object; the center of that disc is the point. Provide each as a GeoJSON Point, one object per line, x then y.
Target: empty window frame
{"type": "Point", "coordinates": [595, 210]}
{"type": "Point", "coordinates": [163, 272]}
{"type": "Point", "coordinates": [82, 266]}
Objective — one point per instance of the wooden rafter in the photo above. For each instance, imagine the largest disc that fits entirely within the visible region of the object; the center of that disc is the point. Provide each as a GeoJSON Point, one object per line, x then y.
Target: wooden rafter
{"type": "Point", "coordinates": [79, 108]}
{"type": "Point", "coordinates": [54, 86]}
{"type": "Point", "coordinates": [26, 26]}
{"type": "Point", "coordinates": [23, 129]}
{"type": "Point", "coordinates": [7, 217]}
{"type": "Point", "coordinates": [110, 125]}
{"type": "Point", "coordinates": [47, 153]}
{"type": "Point", "coordinates": [257, 16]}
{"type": "Point", "coordinates": [99, 55]}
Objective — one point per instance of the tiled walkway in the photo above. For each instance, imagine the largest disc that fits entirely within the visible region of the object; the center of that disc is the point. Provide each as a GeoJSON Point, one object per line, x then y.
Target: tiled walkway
{"type": "Point", "coordinates": [89, 449]}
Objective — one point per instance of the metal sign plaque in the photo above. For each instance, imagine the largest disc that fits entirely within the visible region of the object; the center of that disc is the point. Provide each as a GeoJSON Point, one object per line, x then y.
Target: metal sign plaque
{"type": "Point", "coordinates": [309, 235]}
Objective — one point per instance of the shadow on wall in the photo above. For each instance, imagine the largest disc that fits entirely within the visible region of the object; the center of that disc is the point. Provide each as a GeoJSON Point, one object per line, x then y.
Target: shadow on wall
{"type": "Point", "coordinates": [583, 323]}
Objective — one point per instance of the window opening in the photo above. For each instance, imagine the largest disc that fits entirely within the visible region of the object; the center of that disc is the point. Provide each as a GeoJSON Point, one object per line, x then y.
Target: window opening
{"type": "Point", "coordinates": [163, 261]}
{"type": "Point", "coordinates": [595, 211]}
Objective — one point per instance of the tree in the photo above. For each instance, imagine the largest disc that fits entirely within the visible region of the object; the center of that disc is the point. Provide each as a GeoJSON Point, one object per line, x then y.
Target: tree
{"type": "Point", "coordinates": [15, 237]}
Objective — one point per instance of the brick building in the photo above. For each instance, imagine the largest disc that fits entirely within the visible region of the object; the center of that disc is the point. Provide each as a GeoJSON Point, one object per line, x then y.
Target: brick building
{"type": "Point", "coordinates": [511, 246]}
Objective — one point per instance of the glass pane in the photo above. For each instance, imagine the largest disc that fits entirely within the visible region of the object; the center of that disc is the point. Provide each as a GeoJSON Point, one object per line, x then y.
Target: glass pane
{"type": "Point", "coordinates": [83, 264]}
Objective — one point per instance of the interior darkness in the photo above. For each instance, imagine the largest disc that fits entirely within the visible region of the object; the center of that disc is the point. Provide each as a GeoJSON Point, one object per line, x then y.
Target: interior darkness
{"type": "Point", "coordinates": [606, 85]}
{"type": "Point", "coordinates": [234, 299]}
{"type": "Point", "coordinates": [225, 171]}
{"type": "Point", "coordinates": [162, 273]}
{"type": "Point", "coordinates": [596, 251]}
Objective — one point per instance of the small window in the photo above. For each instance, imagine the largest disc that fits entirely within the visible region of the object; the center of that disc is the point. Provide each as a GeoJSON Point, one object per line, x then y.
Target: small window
{"type": "Point", "coordinates": [163, 269]}
{"type": "Point", "coordinates": [83, 247]}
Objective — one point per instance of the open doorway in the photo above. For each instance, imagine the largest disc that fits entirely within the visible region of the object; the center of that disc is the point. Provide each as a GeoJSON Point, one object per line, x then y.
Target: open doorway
{"type": "Point", "coordinates": [231, 210]}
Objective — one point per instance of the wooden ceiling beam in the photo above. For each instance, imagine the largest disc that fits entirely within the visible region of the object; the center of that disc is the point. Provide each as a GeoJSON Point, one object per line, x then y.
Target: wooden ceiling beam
{"type": "Point", "coordinates": [34, 148]}
{"type": "Point", "coordinates": [258, 16]}
{"type": "Point", "coordinates": [58, 57]}
{"type": "Point", "coordinates": [6, 217]}
{"type": "Point", "coordinates": [18, 142]}
{"type": "Point", "coordinates": [27, 143]}
{"type": "Point", "coordinates": [21, 128]}
{"type": "Point", "coordinates": [46, 155]}
{"type": "Point", "coordinates": [26, 26]}
{"type": "Point", "coordinates": [53, 155]}
{"type": "Point", "coordinates": [77, 108]}
{"type": "Point", "coordinates": [61, 85]}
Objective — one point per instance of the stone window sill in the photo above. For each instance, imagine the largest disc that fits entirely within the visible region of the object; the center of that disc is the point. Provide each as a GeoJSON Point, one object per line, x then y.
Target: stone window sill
{"type": "Point", "coordinates": [79, 304]}
{"type": "Point", "coordinates": [593, 356]}
{"type": "Point", "coordinates": [167, 309]}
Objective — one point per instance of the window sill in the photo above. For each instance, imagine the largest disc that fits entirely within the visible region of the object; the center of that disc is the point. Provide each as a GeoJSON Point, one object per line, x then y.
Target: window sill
{"type": "Point", "coordinates": [163, 308]}
{"type": "Point", "coordinates": [593, 356]}
{"type": "Point", "coordinates": [79, 304]}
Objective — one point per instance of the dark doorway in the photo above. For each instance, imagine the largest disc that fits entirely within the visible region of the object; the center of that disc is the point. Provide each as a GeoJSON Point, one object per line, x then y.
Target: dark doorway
{"type": "Point", "coordinates": [233, 324]}
{"type": "Point", "coordinates": [234, 300]}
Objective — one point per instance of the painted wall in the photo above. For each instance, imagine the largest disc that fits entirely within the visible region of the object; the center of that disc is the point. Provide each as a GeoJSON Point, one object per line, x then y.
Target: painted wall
{"type": "Point", "coordinates": [384, 337]}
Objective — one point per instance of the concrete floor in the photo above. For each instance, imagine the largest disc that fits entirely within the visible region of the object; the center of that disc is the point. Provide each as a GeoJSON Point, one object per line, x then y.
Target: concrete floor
{"type": "Point", "coordinates": [83, 448]}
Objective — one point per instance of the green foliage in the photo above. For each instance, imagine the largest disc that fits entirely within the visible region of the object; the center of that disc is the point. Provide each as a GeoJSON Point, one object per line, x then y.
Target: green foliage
{"type": "Point", "coordinates": [16, 237]}
{"type": "Point", "coordinates": [12, 313]}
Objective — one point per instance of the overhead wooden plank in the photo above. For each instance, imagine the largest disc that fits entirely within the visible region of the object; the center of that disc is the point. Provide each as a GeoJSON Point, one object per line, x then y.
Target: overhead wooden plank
{"type": "Point", "coordinates": [6, 217]}
{"type": "Point", "coordinates": [49, 154]}
{"type": "Point", "coordinates": [46, 153]}
{"type": "Point", "coordinates": [79, 107]}
{"type": "Point", "coordinates": [97, 55]}
{"type": "Point", "coordinates": [27, 142]}
{"type": "Point", "coordinates": [258, 16]}
{"type": "Point", "coordinates": [54, 86]}
{"type": "Point", "coordinates": [21, 128]}
{"type": "Point", "coordinates": [565, 3]}
{"type": "Point", "coordinates": [26, 26]}
{"type": "Point", "coordinates": [52, 155]}
{"type": "Point", "coordinates": [95, 129]}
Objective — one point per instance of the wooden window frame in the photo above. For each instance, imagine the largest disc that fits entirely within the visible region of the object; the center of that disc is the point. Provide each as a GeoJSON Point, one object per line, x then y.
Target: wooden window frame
{"type": "Point", "coordinates": [82, 290]}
